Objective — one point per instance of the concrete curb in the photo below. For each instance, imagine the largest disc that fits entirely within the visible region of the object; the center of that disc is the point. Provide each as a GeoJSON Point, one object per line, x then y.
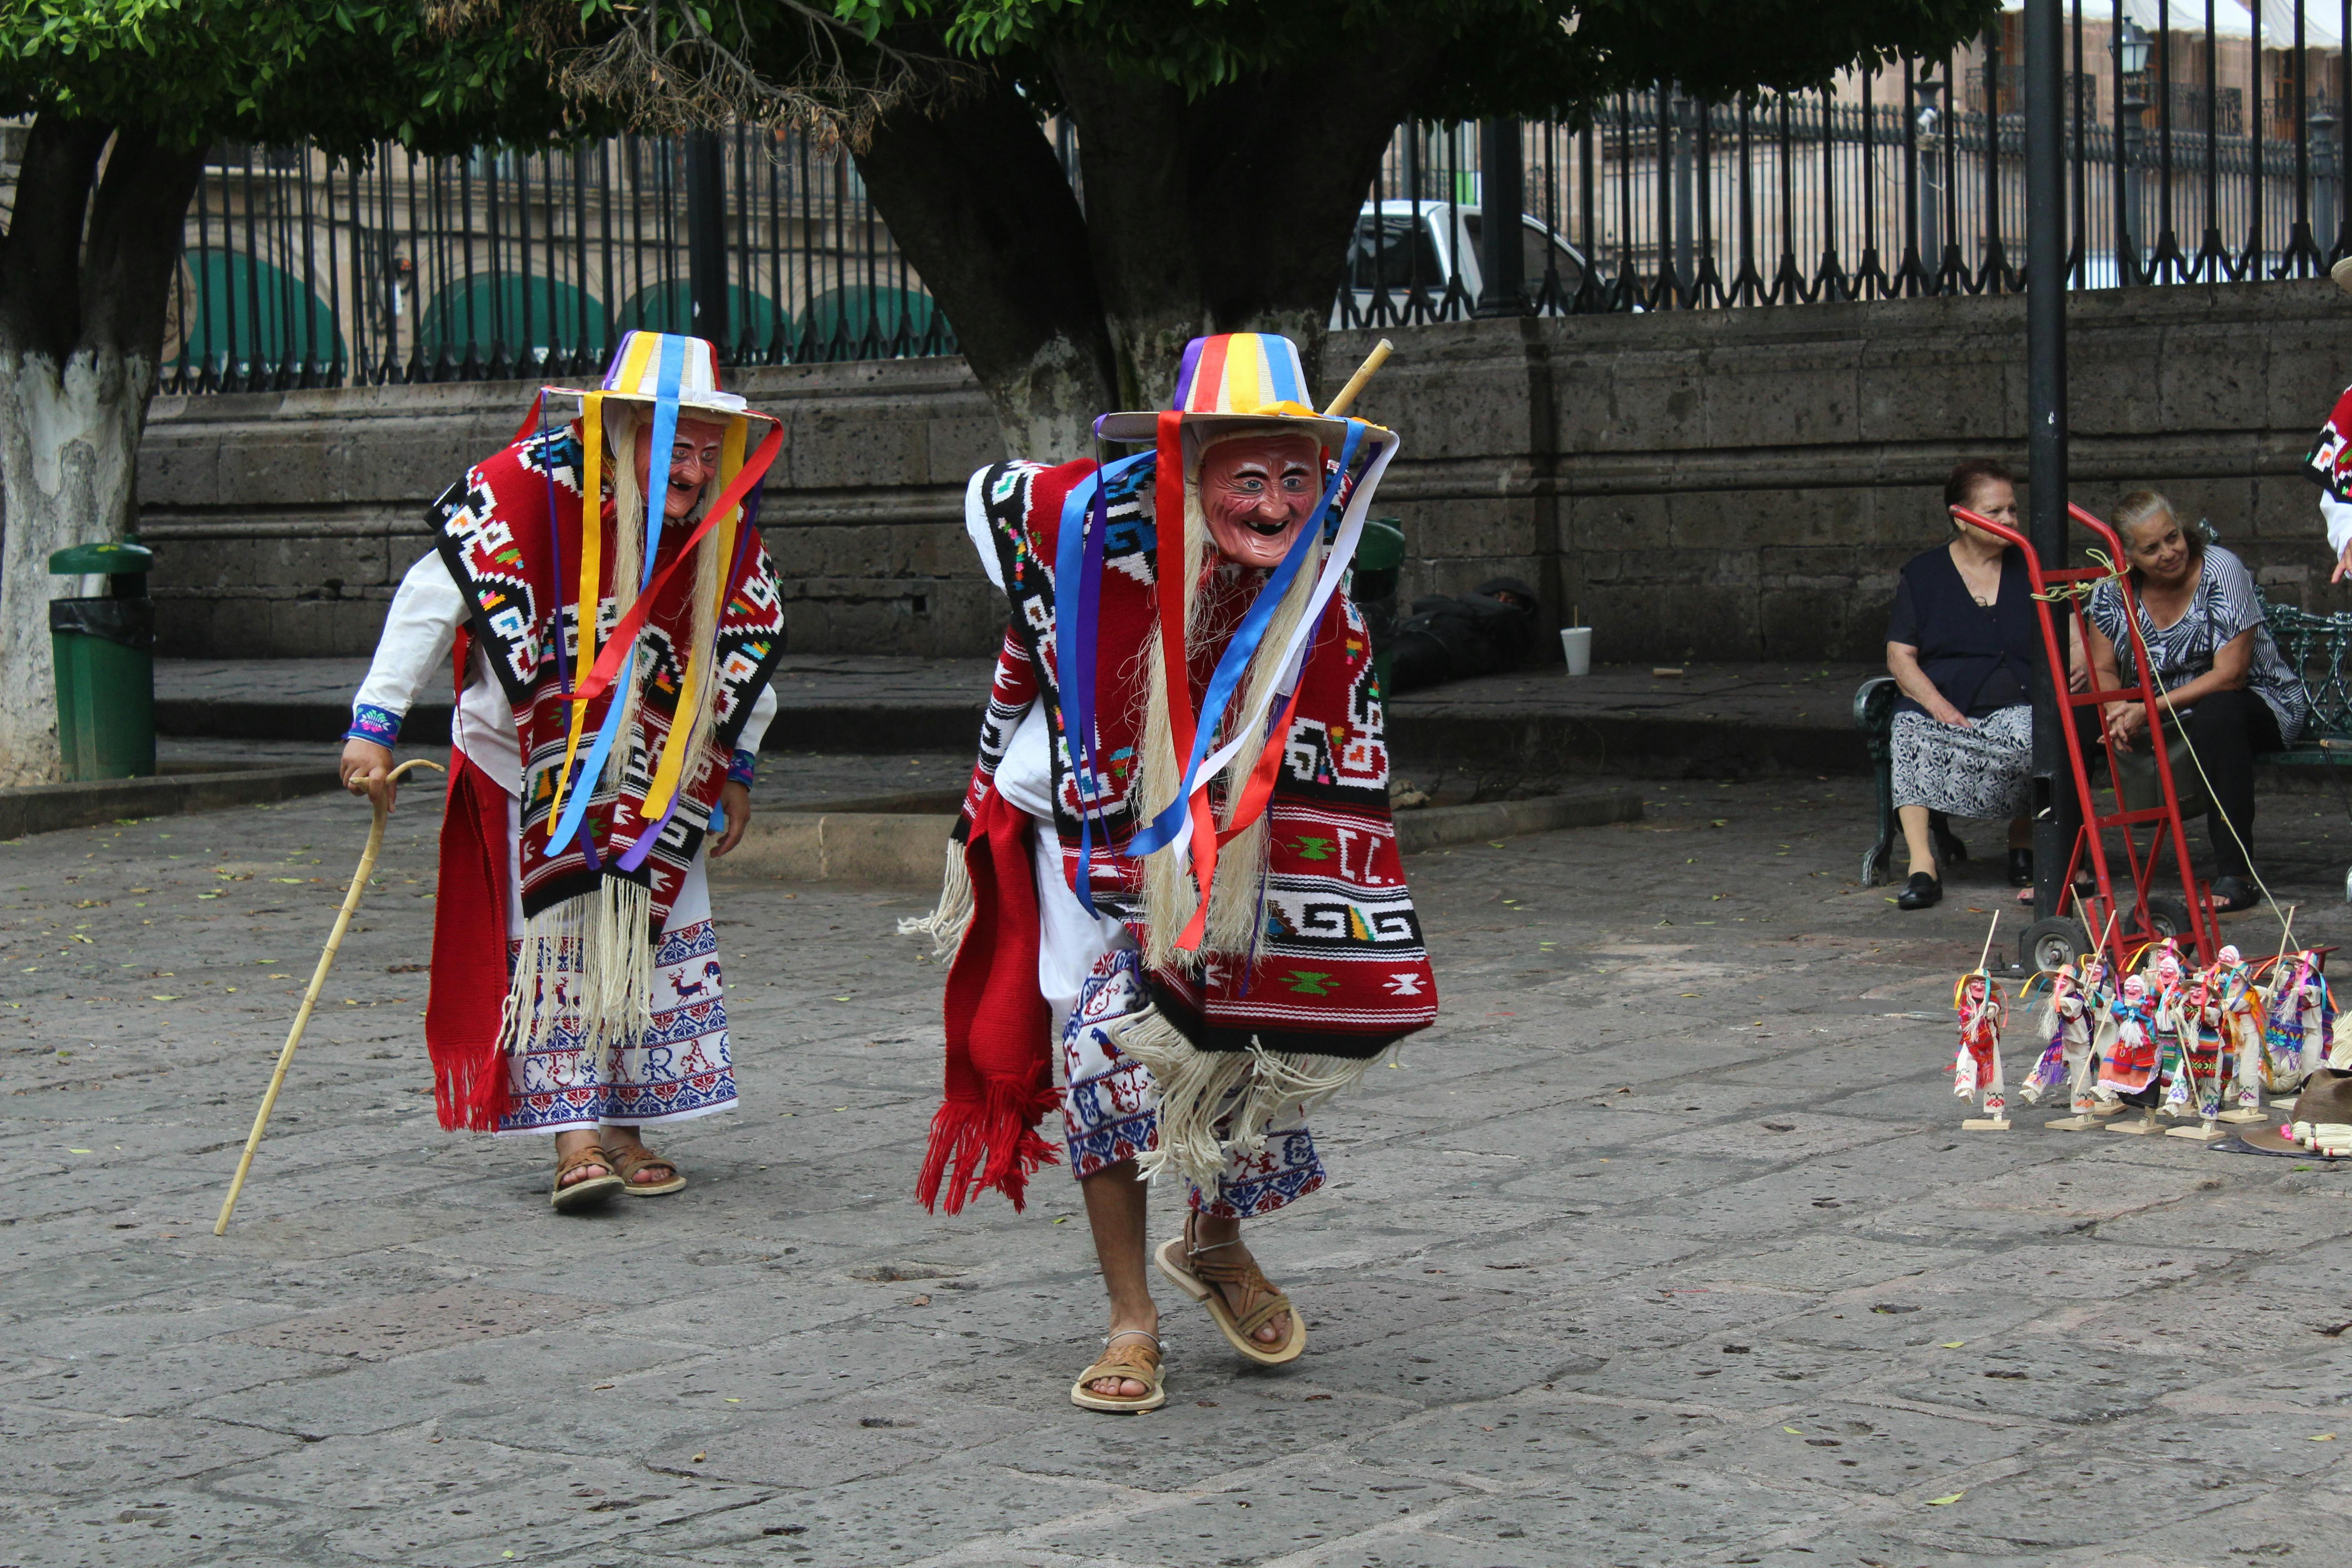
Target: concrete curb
{"type": "Point", "coordinates": [1436, 827]}
{"type": "Point", "coordinates": [1419, 735]}
{"type": "Point", "coordinates": [908, 848]}
{"type": "Point", "coordinates": [893, 850]}
{"type": "Point", "coordinates": [50, 808]}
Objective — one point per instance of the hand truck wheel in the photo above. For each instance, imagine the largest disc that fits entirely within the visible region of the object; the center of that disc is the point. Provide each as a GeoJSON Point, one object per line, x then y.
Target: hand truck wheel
{"type": "Point", "coordinates": [2048, 943]}
{"type": "Point", "coordinates": [2165, 917]}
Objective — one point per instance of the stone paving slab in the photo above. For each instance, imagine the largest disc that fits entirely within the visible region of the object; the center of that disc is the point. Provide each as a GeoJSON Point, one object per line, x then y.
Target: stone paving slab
{"type": "Point", "coordinates": [1664, 1246]}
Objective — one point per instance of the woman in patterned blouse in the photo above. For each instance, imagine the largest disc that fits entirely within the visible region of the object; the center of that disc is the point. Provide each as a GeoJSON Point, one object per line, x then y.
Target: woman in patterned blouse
{"type": "Point", "coordinates": [2219, 673]}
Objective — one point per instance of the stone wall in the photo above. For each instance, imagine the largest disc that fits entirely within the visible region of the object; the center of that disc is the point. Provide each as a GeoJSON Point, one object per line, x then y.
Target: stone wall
{"type": "Point", "coordinates": [1723, 484]}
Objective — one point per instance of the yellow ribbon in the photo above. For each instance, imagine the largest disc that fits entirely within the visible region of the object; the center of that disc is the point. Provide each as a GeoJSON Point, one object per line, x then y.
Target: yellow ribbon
{"type": "Point", "coordinates": [591, 577]}
{"type": "Point", "coordinates": [689, 699]}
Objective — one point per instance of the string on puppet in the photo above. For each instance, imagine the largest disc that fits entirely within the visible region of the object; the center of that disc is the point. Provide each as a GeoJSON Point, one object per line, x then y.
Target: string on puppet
{"type": "Point", "coordinates": [2245, 851]}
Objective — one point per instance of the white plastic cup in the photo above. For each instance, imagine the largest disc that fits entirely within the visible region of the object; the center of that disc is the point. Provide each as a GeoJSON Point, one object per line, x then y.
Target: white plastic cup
{"type": "Point", "coordinates": [1577, 643]}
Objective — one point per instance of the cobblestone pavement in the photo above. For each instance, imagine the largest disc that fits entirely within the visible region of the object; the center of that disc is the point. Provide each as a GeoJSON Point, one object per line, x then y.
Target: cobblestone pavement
{"type": "Point", "coordinates": [1664, 1247]}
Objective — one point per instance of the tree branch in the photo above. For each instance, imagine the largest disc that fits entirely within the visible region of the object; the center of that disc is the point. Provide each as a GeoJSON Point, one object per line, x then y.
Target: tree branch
{"type": "Point", "coordinates": [40, 284]}
{"type": "Point", "coordinates": [841, 89]}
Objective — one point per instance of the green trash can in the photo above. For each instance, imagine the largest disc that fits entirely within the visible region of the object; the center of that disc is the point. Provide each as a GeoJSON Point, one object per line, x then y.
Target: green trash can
{"type": "Point", "coordinates": [104, 650]}
{"type": "Point", "coordinates": [1372, 583]}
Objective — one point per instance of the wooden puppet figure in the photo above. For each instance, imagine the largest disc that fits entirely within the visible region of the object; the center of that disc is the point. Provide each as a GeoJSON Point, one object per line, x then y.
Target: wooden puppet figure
{"type": "Point", "coordinates": [2199, 1082]}
{"type": "Point", "coordinates": [1977, 1067]}
{"type": "Point", "coordinates": [2241, 1033]}
{"type": "Point", "coordinates": [2169, 1022]}
{"type": "Point", "coordinates": [2128, 1072]}
{"type": "Point", "coordinates": [2065, 1026]}
{"type": "Point", "coordinates": [2087, 1096]}
{"type": "Point", "coordinates": [2301, 1013]}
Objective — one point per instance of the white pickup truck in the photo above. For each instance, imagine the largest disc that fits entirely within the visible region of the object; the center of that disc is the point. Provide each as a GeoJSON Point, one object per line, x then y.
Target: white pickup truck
{"type": "Point", "coordinates": [1400, 247]}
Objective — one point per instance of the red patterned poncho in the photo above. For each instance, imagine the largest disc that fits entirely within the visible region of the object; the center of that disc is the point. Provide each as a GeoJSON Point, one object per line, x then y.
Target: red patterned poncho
{"type": "Point", "coordinates": [511, 533]}
{"type": "Point", "coordinates": [1338, 969]}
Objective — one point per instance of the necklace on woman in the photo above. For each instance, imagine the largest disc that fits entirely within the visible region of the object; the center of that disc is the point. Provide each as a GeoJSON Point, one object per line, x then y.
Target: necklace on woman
{"type": "Point", "coordinates": [1986, 598]}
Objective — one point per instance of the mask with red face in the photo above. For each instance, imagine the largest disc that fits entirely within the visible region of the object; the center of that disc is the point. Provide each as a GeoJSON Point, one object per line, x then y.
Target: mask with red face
{"type": "Point", "coordinates": [1257, 491]}
{"type": "Point", "coordinates": [693, 463]}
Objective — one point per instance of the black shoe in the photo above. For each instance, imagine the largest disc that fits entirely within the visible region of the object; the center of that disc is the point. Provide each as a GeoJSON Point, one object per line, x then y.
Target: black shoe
{"type": "Point", "coordinates": [2021, 868]}
{"type": "Point", "coordinates": [2231, 894]}
{"type": "Point", "coordinates": [1922, 892]}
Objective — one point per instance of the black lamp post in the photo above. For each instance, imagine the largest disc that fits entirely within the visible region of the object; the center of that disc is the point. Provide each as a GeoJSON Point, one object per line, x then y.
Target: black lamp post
{"type": "Point", "coordinates": [1501, 259]}
{"type": "Point", "coordinates": [2130, 51]}
{"type": "Point", "coordinates": [1931, 186]}
{"type": "Point", "coordinates": [2323, 179]}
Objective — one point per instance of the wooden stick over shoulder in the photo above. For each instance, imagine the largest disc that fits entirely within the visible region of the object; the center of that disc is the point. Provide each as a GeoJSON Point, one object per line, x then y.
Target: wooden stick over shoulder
{"type": "Point", "coordinates": [1350, 393]}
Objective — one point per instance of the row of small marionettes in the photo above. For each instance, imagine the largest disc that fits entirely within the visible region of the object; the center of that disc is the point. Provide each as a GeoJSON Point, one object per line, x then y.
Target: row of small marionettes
{"type": "Point", "coordinates": [2202, 1045]}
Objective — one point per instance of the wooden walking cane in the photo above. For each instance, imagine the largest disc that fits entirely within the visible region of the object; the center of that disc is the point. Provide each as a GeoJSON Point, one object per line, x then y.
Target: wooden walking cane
{"type": "Point", "coordinates": [310, 997]}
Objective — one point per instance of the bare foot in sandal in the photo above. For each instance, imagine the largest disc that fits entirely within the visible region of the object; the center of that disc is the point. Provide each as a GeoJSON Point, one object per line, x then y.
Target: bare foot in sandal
{"type": "Point", "coordinates": [627, 1144]}
{"type": "Point", "coordinates": [584, 1174]}
{"type": "Point", "coordinates": [568, 1143]}
{"type": "Point", "coordinates": [1220, 1239]}
{"type": "Point", "coordinates": [1126, 1344]}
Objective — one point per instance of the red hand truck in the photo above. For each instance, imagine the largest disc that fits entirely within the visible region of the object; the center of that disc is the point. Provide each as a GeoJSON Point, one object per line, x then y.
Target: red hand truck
{"type": "Point", "coordinates": [2083, 920]}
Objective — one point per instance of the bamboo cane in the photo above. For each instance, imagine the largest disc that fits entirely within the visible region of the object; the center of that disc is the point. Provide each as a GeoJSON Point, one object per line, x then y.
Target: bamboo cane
{"type": "Point", "coordinates": [310, 997]}
{"type": "Point", "coordinates": [2286, 930]}
{"type": "Point", "coordinates": [1348, 394]}
{"type": "Point", "coordinates": [2100, 951]}
{"type": "Point", "coordinates": [1986, 955]}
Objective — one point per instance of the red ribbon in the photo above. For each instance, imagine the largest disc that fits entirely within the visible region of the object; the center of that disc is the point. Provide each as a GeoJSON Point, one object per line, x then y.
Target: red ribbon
{"type": "Point", "coordinates": [624, 635]}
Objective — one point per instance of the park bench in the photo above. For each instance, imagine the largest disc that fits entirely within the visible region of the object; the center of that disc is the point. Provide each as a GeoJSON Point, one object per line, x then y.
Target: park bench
{"type": "Point", "coordinates": [2315, 647]}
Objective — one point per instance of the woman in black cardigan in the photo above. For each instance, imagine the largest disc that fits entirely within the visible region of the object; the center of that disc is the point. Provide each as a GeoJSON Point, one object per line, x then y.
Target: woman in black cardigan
{"type": "Point", "coordinates": [1963, 643]}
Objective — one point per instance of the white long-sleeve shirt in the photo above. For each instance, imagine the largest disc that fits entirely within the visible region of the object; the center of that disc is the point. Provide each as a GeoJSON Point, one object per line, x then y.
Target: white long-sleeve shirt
{"type": "Point", "coordinates": [2338, 517]}
{"type": "Point", "coordinates": [418, 634]}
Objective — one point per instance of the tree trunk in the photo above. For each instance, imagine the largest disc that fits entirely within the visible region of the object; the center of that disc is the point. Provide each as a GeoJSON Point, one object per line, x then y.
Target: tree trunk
{"type": "Point", "coordinates": [81, 323]}
{"type": "Point", "coordinates": [1231, 211]}
{"type": "Point", "coordinates": [975, 197]}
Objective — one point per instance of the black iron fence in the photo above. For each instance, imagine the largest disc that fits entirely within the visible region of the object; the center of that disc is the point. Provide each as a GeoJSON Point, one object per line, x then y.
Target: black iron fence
{"type": "Point", "coordinates": [2202, 148]}
{"type": "Point", "coordinates": [300, 272]}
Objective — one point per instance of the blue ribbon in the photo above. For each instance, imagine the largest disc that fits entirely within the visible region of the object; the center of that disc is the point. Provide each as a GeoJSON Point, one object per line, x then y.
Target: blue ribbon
{"type": "Point", "coordinates": [555, 548]}
{"type": "Point", "coordinates": [1077, 570]}
{"type": "Point", "coordinates": [1162, 829]}
{"type": "Point", "coordinates": [658, 453]}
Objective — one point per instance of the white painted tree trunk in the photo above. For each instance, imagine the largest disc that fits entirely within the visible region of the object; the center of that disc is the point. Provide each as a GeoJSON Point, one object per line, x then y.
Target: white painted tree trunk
{"type": "Point", "coordinates": [69, 471]}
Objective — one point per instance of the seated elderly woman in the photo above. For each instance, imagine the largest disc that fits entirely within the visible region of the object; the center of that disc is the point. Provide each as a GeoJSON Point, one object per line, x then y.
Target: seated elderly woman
{"type": "Point", "coordinates": [2222, 680]}
{"type": "Point", "coordinates": [1962, 644]}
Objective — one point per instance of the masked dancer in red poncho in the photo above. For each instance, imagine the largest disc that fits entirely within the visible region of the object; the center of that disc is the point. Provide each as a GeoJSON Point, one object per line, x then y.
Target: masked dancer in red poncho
{"type": "Point", "coordinates": [575, 971]}
{"type": "Point", "coordinates": [1175, 867]}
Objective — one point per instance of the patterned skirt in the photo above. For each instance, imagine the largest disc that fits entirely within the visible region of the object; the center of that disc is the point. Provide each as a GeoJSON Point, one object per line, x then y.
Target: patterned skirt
{"type": "Point", "coordinates": [1980, 772]}
{"type": "Point", "coordinates": [677, 1070]}
{"type": "Point", "coordinates": [1092, 978]}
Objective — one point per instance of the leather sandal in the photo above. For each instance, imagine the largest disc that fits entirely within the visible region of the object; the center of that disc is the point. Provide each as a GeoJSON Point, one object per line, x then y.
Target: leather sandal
{"type": "Point", "coordinates": [589, 1192]}
{"type": "Point", "coordinates": [1138, 1362]}
{"type": "Point", "coordinates": [2233, 894]}
{"type": "Point", "coordinates": [1200, 1277]}
{"type": "Point", "coordinates": [629, 1160]}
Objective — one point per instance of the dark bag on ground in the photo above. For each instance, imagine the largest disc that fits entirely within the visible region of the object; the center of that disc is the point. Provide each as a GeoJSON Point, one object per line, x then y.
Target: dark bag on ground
{"type": "Point", "coordinates": [1490, 628]}
{"type": "Point", "coordinates": [2136, 781]}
